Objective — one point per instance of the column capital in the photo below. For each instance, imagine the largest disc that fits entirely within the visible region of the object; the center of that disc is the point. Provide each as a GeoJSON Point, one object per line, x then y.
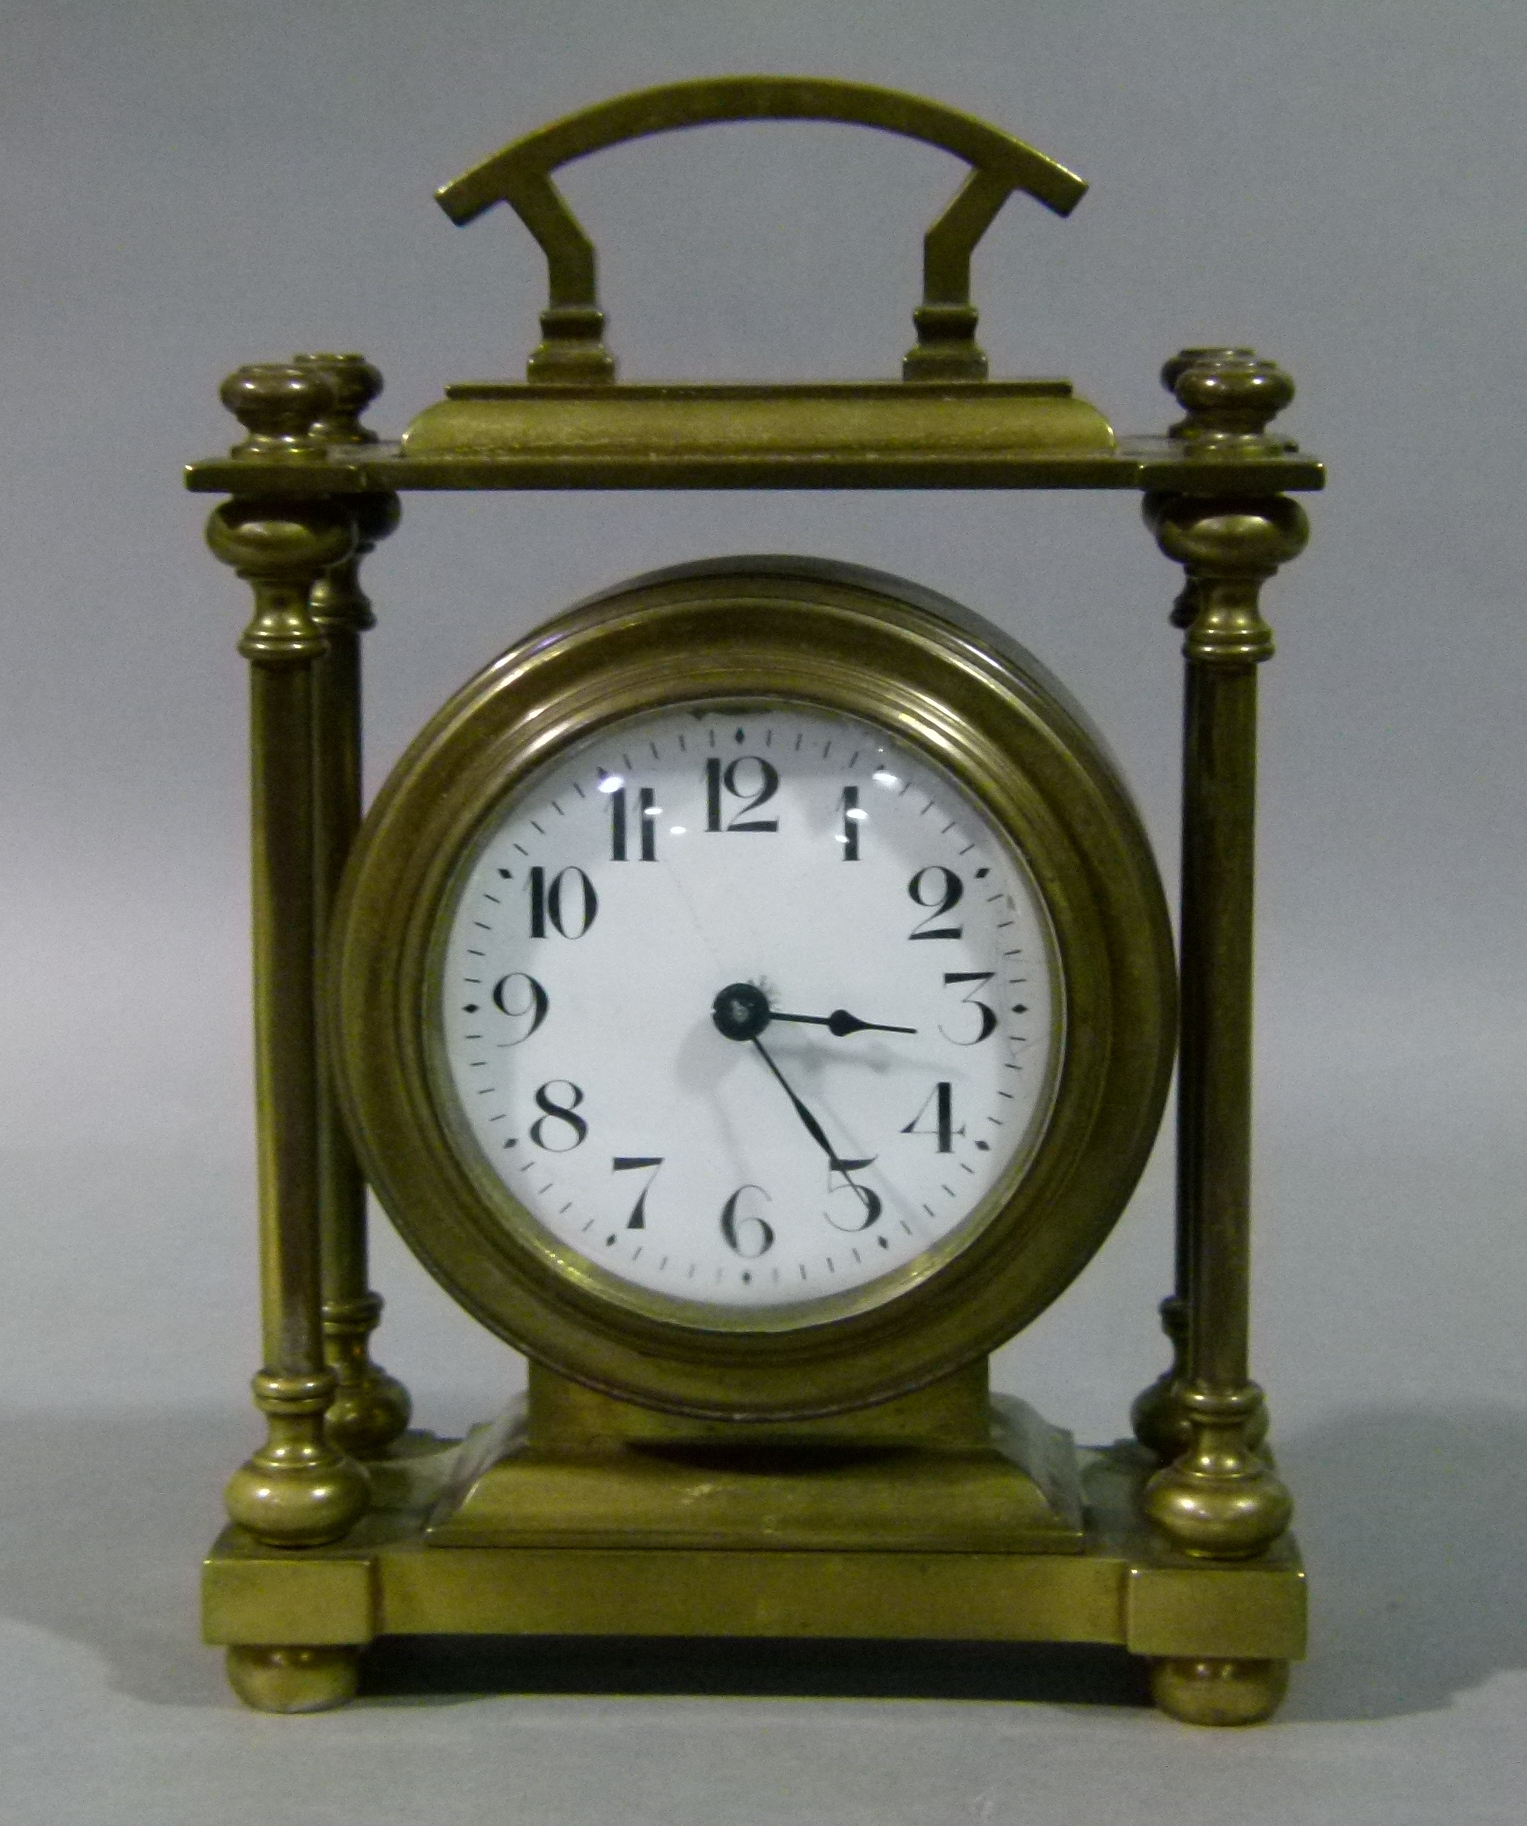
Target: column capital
{"type": "Point", "coordinates": [281, 549]}
{"type": "Point", "coordinates": [1229, 547]}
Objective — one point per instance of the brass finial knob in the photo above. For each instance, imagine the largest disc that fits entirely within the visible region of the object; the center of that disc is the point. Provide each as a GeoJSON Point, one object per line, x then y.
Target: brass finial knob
{"type": "Point", "coordinates": [1175, 366]}
{"type": "Point", "coordinates": [1229, 396]}
{"type": "Point", "coordinates": [356, 384]}
{"type": "Point", "coordinates": [278, 404]}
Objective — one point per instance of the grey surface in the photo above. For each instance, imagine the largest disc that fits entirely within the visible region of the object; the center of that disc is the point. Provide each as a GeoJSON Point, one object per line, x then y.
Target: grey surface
{"type": "Point", "coordinates": [188, 186]}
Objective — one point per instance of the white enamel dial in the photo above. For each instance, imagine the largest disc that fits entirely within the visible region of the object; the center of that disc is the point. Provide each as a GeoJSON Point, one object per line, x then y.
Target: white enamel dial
{"type": "Point", "coordinates": [749, 1007]}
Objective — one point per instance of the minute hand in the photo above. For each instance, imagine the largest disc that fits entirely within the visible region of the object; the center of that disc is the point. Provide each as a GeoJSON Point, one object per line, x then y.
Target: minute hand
{"type": "Point", "coordinates": [840, 1022]}
{"type": "Point", "coordinates": [813, 1128]}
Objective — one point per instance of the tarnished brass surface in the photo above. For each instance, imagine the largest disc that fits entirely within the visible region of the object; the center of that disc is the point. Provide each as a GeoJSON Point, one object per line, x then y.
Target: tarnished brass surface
{"type": "Point", "coordinates": [1160, 464]}
{"type": "Point", "coordinates": [1156, 1413]}
{"type": "Point", "coordinates": [781, 426]}
{"type": "Point", "coordinates": [853, 1486]}
{"type": "Point", "coordinates": [1218, 1497]}
{"type": "Point", "coordinates": [296, 1488]}
{"type": "Point", "coordinates": [280, 405]}
{"type": "Point", "coordinates": [1229, 396]}
{"type": "Point", "coordinates": [757, 631]}
{"type": "Point", "coordinates": [1218, 1691]}
{"type": "Point", "coordinates": [1015, 1489]}
{"type": "Point", "coordinates": [572, 326]}
{"type": "Point", "coordinates": [569, 1417]}
{"type": "Point", "coordinates": [370, 1408]}
{"type": "Point", "coordinates": [1123, 1587]}
{"type": "Point", "coordinates": [293, 1679]}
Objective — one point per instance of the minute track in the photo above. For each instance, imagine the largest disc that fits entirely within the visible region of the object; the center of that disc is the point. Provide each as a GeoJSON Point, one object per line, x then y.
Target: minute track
{"type": "Point", "coordinates": [848, 1012]}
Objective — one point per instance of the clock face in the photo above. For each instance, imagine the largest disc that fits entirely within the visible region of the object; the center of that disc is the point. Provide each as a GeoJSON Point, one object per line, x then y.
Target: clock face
{"type": "Point", "coordinates": [750, 1008]}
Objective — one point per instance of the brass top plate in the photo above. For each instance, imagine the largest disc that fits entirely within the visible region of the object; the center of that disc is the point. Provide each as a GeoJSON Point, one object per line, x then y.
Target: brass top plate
{"type": "Point", "coordinates": [782, 425]}
{"type": "Point", "coordinates": [1145, 464]}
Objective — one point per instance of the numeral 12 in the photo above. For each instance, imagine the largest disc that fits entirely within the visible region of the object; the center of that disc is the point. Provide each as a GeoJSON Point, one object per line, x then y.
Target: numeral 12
{"type": "Point", "coordinates": [735, 782]}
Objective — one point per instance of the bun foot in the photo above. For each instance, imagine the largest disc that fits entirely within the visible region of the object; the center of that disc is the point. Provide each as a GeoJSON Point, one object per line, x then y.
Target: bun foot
{"type": "Point", "coordinates": [1216, 1692]}
{"type": "Point", "coordinates": [294, 1679]}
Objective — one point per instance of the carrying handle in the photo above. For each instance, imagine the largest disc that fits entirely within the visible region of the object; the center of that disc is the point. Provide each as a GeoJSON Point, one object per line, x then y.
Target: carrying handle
{"type": "Point", "coordinates": [572, 325]}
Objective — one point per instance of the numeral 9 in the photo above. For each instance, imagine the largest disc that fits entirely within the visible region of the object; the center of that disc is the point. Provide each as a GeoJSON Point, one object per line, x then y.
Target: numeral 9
{"type": "Point", "coordinates": [519, 1004]}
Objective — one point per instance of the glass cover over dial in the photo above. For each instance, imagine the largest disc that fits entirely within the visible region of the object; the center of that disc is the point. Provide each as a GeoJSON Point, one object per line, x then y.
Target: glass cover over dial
{"type": "Point", "coordinates": [751, 1008]}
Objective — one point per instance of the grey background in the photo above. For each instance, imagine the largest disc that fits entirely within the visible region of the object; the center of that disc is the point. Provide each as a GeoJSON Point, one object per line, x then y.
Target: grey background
{"type": "Point", "coordinates": [190, 185]}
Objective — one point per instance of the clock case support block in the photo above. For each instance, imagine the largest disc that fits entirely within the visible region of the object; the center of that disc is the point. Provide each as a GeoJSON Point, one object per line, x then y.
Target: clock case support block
{"type": "Point", "coordinates": [944, 1469]}
{"type": "Point", "coordinates": [1175, 1548]}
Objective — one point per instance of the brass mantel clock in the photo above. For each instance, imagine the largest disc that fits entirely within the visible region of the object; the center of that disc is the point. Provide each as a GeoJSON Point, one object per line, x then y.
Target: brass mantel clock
{"type": "Point", "coordinates": [752, 996]}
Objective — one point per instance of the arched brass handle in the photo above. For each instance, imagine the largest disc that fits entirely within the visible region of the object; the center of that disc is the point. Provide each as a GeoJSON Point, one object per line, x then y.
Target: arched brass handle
{"type": "Point", "coordinates": [573, 324]}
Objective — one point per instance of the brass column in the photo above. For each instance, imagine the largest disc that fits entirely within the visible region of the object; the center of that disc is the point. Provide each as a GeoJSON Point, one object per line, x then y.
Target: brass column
{"type": "Point", "coordinates": [296, 1490]}
{"type": "Point", "coordinates": [370, 1408]}
{"type": "Point", "coordinates": [1218, 1497]}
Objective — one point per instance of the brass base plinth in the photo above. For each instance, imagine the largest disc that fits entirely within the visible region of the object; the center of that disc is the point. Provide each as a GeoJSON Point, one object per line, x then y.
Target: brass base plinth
{"type": "Point", "coordinates": [1218, 1635]}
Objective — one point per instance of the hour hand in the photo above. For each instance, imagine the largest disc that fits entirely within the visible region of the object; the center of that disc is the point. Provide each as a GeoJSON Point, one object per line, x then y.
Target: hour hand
{"type": "Point", "coordinates": [839, 1022]}
{"type": "Point", "coordinates": [742, 1012]}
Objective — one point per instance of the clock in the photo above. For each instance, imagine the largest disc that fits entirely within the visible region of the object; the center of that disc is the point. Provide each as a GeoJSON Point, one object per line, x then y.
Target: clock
{"type": "Point", "coordinates": [752, 997]}
{"type": "Point", "coordinates": [753, 993]}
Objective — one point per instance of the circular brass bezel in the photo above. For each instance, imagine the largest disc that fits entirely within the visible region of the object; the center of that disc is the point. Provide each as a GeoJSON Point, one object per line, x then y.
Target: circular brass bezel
{"type": "Point", "coordinates": [955, 691]}
{"type": "Point", "coordinates": [587, 1272]}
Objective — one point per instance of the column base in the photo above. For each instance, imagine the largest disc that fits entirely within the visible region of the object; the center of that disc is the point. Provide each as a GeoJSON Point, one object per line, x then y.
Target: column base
{"type": "Point", "coordinates": [368, 1413]}
{"type": "Point", "coordinates": [370, 1409]}
{"type": "Point", "coordinates": [1221, 1500]}
{"type": "Point", "coordinates": [296, 1490]}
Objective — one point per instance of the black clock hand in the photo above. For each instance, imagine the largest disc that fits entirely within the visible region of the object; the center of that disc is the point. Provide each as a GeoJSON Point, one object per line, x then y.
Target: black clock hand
{"type": "Point", "coordinates": [839, 1022]}
{"type": "Point", "coordinates": [742, 1012]}
{"type": "Point", "coordinates": [813, 1128]}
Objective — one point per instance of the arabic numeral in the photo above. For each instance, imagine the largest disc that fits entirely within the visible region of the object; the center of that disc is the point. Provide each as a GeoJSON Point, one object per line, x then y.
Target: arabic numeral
{"type": "Point", "coordinates": [940, 890]}
{"type": "Point", "coordinates": [746, 1235]}
{"type": "Point", "coordinates": [646, 824]}
{"type": "Point", "coordinates": [634, 1163]}
{"type": "Point", "coordinates": [988, 1014]}
{"type": "Point", "coordinates": [567, 903]}
{"type": "Point", "coordinates": [559, 1116]}
{"type": "Point", "coordinates": [941, 1102]}
{"type": "Point", "coordinates": [520, 1004]}
{"type": "Point", "coordinates": [870, 1204]}
{"type": "Point", "coordinates": [757, 786]}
